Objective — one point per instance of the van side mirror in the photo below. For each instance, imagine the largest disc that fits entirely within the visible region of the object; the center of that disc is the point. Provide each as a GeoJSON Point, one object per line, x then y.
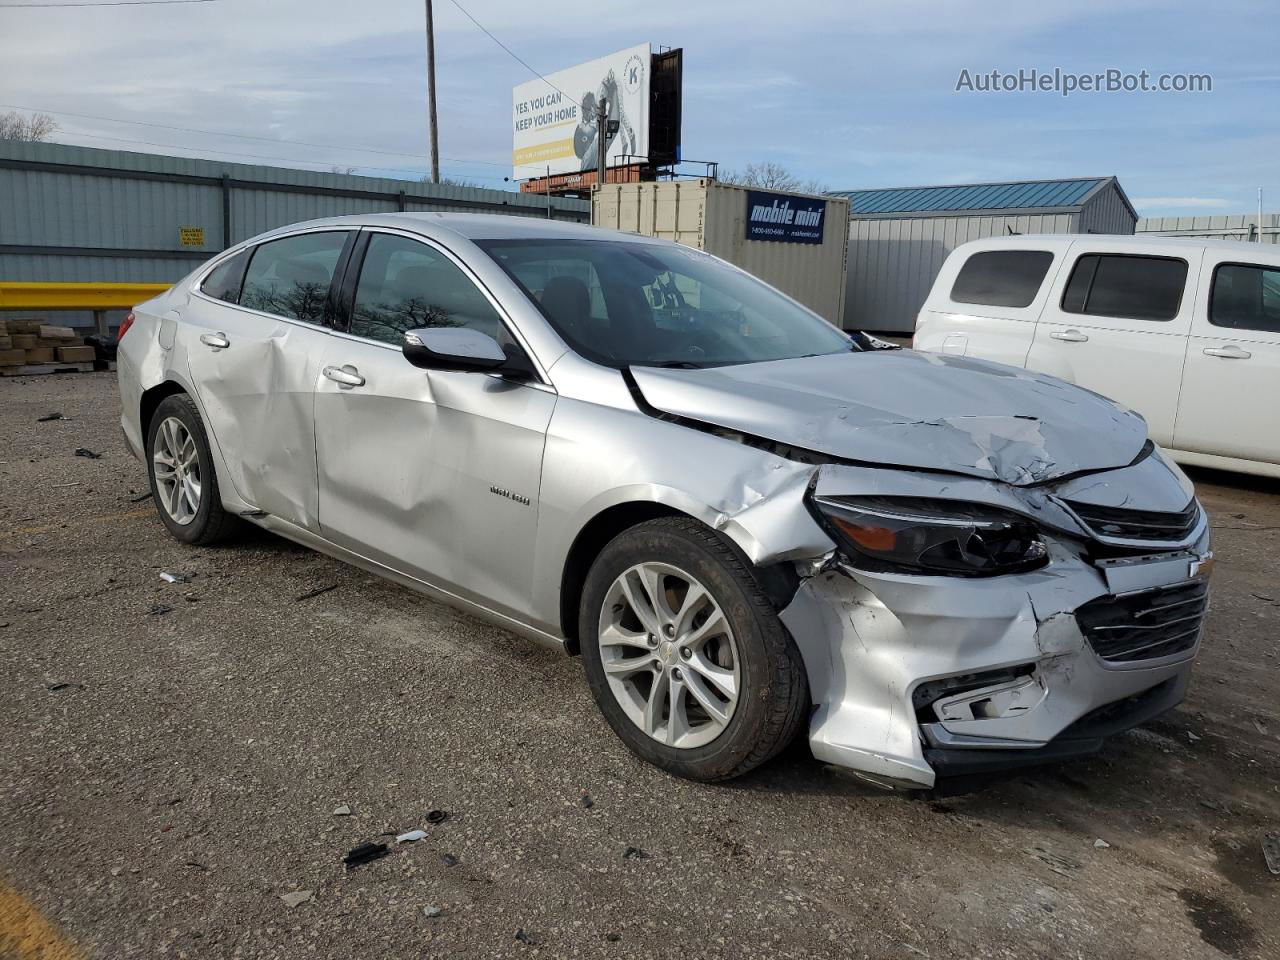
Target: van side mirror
{"type": "Point", "coordinates": [452, 348]}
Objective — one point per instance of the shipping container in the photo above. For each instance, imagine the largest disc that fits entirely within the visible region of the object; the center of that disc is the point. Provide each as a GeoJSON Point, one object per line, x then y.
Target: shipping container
{"type": "Point", "coordinates": [795, 242]}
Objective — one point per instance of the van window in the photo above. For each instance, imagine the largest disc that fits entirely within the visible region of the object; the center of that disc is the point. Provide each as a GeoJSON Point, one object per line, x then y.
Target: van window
{"type": "Point", "coordinates": [1122, 285]}
{"type": "Point", "coordinates": [290, 277]}
{"type": "Point", "coordinates": [1002, 278]}
{"type": "Point", "coordinates": [1246, 298]}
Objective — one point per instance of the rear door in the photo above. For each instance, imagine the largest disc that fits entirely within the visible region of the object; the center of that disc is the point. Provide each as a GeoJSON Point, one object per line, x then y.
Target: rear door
{"type": "Point", "coordinates": [1117, 323]}
{"type": "Point", "coordinates": [434, 473]}
{"type": "Point", "coordinates": [1231, 388]}
{"type": "Point", "coordinates": [254, 347]}
{"type": "Point", "coordinates": [986, 300]}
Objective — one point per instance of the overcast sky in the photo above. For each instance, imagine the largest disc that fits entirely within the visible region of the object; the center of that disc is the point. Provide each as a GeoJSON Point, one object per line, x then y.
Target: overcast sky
{"type": "Point", "coordinates": [854, 94]}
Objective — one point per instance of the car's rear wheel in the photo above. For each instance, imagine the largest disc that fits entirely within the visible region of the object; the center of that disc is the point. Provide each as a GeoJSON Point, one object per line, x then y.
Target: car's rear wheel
{"type": "Point", "coordinates": [685, 655]}
{"type": "Point", "coordinates": [180, 467]}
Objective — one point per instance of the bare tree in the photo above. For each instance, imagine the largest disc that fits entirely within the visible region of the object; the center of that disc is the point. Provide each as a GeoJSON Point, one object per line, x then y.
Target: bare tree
{"type": "Point", "coordinates": [344, 170]}
{"type": "Point", "coordinates": [17, 126]}
{"type": "Point", "coordinates": [771, 176]}
{"type": "Point", "coordinates": [451, 181]}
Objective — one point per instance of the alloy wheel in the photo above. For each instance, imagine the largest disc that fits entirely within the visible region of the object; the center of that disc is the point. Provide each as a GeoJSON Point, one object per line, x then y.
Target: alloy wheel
{"type": "Point", "coordinates": [176, 464]}
{"type": "Point", "coordinates": [669, 655]}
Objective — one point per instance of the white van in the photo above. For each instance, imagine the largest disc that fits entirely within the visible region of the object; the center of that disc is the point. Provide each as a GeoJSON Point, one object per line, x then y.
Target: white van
{"type": "Point", "coordinates": [1186, 332]}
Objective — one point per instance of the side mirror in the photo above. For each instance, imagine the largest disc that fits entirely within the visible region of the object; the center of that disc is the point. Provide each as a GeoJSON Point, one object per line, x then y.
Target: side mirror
{"type": "Point", "coordinates": [452, 348]}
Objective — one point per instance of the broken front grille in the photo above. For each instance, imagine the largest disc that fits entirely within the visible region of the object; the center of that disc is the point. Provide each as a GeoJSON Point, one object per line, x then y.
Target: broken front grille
{"type": "Point", "coordinates": [1120, 523]}
{"type": "Point", "coordinates": [1146, 625]}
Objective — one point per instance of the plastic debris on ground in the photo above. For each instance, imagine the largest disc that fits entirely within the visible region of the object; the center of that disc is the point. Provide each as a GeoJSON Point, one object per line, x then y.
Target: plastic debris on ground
{"type": "Point", "coordinates": [87, 453]}
{"type": "Point", "coordinates": [431, 911]}
{"type": "Point", "coordinates": [364, 853]}
{"type": "Point", "coordinates": [342, 811]}
{"type": "Point", "coordinates": [296, 898]}
{"type": "Point", "coordinates": [449, 859]}
{"type": "Point", "coordinates": [635, 853]}
{"type": "Point", "coordinates": [437, 816]}
{"type": "Point", "coordinates": [50, 416]}
{"type": "Point", "coordinates": [159, 609]}
{"type": "Point", "coordinates": [411, 836]}
{"type": "Point", "coordinates": [526, 938]}
{"type": "Point", "coordinates": [1100, 844]}
{"type": "Point", "coordinates": [176, 577]}
{"type": "Point", "coordinates": [316, 592]}
{"type": "Point", "coordinates": [63, 685]}
{"type": "Point", "coordinates": [586, 801]}
{"type": "Point", "coordinates": [1271, 850]}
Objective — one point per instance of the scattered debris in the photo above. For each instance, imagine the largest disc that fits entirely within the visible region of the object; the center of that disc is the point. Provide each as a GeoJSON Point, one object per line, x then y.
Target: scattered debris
{"type": "Point", "coordinates": [1266, 598]}
{"type": "Point", "coordinates": [87, 453]}
{"type": "Point", "coordinates": [342, 811]}
{"type": "Point", "coordinates": [431, 911]}
{"type": "Point", "coordinates": [437, 816]}
{"type": "Point", "coordinates": [1271, 850]}
{"type": "Point", "coordinates": [140, 497]}
{"type": "Point", "coordinates": [364, 853]}
{"type": "Point", "coordinates": [116, 871]}
{"type": "Point", "coordinates": [316, 592]}
{"type": "Point", "coordinates": [196, 864]}
{"type": "Point", "coordinates": [1101, 844]}
{"type": "Point", "coordinates": [159, 609]}
{"type": "Point", "coordinates": [449, 859]}
{"type": "Point", "coordinates": [586, 801]}
{"type": "Point", "coordinates": [411, 837]}
{"type": "Point", "coordinates": [613, 937]}
{"type": "Point", "coordinates": [635, 853]}
{"type": "Point", "coordinates": [63, 685]}
{"type": "Point", "coordinates": [71, 483]}
{"type": "Point", "coordinates": [1194, 737]}
{"type": "Point", "coordinates": [526, 938]}
{"type": "Point", "coordinates": [50, 416]}
{"type": "Point", "coordinates": [297, 898]}
{"type": "Point", "coordinates": [176, 577]}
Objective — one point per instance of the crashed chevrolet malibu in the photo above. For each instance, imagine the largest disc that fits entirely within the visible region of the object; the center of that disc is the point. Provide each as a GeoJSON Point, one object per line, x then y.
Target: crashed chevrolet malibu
{"type": "Point", "coordinates": [745, 521]}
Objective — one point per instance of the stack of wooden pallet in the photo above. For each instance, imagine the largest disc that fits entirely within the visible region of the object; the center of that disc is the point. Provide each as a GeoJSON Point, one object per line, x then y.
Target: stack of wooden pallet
{"type": "Point", "coordinates": [26, 343]}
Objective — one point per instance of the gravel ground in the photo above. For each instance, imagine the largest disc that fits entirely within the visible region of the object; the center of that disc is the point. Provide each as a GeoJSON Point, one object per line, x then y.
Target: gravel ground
{"type": "Point", "coordinates": [174, 753]}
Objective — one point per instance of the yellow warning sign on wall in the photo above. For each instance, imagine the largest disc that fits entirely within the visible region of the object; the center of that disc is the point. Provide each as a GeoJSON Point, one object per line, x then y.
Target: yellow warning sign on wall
{"type": "Point", "coordinates": [191, 236]}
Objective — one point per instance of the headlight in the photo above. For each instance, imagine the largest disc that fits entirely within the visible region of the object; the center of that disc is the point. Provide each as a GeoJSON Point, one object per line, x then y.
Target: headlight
{"type": "Point", "coordinates": [934, 537]}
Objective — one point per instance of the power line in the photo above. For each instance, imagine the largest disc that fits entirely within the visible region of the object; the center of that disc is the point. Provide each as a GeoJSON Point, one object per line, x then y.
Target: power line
{"type": "Point", "coordinates": [508, 49]}
{"type": "Point", "coordinates": [107, 3]}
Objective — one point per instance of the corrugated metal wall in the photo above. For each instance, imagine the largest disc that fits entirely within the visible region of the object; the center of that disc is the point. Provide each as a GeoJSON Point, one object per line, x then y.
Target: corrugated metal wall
{"type": "Point", "coordinates": [894, 261]}
{"type": "Point", "coordinates": [60, 204]}
{"type": "Point", "coordinates": [1238, 226]}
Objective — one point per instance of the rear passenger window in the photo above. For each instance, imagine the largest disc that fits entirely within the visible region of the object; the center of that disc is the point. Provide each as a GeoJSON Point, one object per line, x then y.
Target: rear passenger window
{"type": "Point", "coordinates": [1246, 298]}
{"type": "Point", "coordinates": [1002, 278]}
{"type": "Point", "coordinates": [290, 277]}
{"type": "Point", "coordinates": [405, 285]}
{"type": "Point", "coordinates": [224, 280]}
{"type": "Point", "coordinates": [1121, 285]}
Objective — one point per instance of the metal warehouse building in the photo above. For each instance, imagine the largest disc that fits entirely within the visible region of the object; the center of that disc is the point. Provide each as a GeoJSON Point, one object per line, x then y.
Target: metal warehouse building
{"type": "Point", "coordinates": [1232, 226]}
{"type": "Point", "coordinates": [78, 214]}
{"type": "Point", "coordinates": [899, 237]}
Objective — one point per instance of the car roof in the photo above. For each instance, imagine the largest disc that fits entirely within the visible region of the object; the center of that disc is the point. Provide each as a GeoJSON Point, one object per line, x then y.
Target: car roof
{"type": "Point", "coordinates": [475, 226]}
{"type": "Point", "coordinates": [1141, 243]}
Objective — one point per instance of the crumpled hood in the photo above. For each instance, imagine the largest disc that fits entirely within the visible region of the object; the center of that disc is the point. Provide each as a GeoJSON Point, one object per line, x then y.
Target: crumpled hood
{"type": "Point", "coordinates": [909, 409]}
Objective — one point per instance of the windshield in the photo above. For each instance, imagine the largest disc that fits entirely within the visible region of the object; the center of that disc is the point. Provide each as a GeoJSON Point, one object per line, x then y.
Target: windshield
{"type": "Point", "coordinates": [624, 304]}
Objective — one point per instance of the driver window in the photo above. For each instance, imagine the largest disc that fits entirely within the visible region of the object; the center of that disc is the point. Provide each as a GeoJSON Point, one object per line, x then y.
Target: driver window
{"type": "Point", "coordinates": [405, 285]}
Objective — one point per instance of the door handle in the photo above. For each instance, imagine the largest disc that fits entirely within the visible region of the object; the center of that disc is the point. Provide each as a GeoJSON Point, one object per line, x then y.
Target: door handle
{"type": "Point", "coordinates": [347, 375]}
{"type": "Point", "coordinates": [1229, 352]}
{"type": "Point", "coordinates": [218, 341]}
{"type": "Point", "coordinates": [1071, 336]}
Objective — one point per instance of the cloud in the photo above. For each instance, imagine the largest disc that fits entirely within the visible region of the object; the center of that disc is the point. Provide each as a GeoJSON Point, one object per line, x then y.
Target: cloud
{"type": "Point", "coordinates": [1143, 203]}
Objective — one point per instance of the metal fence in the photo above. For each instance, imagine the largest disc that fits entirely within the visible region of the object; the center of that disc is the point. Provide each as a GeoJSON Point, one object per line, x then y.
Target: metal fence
{"type": "Point", "coordinates": [1231, 226]}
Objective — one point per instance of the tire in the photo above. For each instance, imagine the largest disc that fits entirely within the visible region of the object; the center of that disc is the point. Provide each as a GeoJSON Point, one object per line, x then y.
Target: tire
{"type": "Point", "coordinates": [207, 522]}
{"type": "Point", "coordinates": [772, 693]}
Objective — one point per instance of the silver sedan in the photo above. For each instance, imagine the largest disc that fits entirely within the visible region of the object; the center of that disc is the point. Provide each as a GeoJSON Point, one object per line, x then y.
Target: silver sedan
{"type": "Point", "coordinates": [745, 521]}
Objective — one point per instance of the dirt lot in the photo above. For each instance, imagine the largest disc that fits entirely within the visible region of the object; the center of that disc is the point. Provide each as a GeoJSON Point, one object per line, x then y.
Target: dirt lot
{"type": "Point", "coordinates": [173, 755]}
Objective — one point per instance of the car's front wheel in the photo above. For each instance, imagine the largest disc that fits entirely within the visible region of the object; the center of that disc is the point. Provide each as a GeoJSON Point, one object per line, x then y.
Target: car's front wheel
{"type": "Point", "coordinates": [685, 655]}
{"type": "Point", "coordinates": [180, 467]}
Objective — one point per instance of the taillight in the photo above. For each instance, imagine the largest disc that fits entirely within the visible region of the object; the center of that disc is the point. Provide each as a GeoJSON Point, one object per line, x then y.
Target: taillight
{"type": "Point", "coordinates": [124, 326]}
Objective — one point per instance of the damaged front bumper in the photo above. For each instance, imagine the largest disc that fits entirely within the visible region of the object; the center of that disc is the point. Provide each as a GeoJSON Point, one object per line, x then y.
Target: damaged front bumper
{"type": "Point", "coordinates": [919, 677]}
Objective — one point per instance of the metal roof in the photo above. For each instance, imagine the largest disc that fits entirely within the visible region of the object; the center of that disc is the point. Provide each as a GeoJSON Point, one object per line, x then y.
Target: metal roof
{"type": "Point", "coordinates": [1043, 195]}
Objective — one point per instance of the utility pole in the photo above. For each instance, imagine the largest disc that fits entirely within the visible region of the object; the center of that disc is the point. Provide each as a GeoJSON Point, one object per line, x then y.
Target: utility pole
{"type": "Point", "coordinates": [602, 139]}
{"type": "Point", "coordinates": [431, 95]}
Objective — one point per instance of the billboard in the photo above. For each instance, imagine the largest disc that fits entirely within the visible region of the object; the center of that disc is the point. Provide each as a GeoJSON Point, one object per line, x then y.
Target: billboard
{"type": "Point", "coordinates": [553, 120]}
{"type": "Point", "coordinates": [784, 217]}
